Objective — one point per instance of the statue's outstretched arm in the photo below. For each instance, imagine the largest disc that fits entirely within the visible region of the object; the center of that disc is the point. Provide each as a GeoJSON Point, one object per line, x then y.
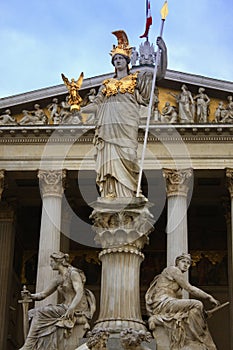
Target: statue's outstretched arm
{"type": "Point", "coordinates": [162, 66]}
{"type": "Point", "coordinates": [196, 292]}
{"type": "Point", "coordinates": [45, 293]}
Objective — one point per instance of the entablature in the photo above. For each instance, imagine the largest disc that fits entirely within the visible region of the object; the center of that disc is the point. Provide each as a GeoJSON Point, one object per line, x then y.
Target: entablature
{"type": "Point", "coordinates": [71, 147]}
{"type": "Point", "coordinates": [84, 133]}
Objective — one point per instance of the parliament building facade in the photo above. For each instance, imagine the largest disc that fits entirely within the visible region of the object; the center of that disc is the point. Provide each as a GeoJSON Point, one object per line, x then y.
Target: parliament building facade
{"type": "Point", "coordinates": [47, 185]}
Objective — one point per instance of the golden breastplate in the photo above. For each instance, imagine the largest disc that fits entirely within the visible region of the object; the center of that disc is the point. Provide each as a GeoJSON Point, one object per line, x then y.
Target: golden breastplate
{"type": "Point", "coordinates": [126, 84]}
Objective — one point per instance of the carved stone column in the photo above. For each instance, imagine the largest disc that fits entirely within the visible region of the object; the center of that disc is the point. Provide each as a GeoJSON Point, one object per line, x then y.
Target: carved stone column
{"type": "Point", "coordinates": [65, 227]}
{"type": "Point", "coordinates": [229, 176]}
{"type": "Point", "coordinates": [1, 182]}
{"type": "Point", "coordinates": [177, 184]}
{"type": "Point", "coordinates": [122, 230]}
{"type": "Point", "coordinates": [7, 239]}
{"type": "Point", "coordinates": [52, 189]}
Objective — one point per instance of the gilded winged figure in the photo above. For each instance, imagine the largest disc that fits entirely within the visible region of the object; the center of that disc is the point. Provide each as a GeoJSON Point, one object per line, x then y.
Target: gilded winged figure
{"type": "Point", "coordinates": [73, 86]}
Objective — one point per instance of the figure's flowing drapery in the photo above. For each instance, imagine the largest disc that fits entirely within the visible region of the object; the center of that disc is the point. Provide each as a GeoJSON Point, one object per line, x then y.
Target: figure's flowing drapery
{"type": "Point", "coordinates": [116, 137]}
{"type": "Point", "coordinates": [183, 319]}
{"type": "Point", "coordinates": [47, 320]}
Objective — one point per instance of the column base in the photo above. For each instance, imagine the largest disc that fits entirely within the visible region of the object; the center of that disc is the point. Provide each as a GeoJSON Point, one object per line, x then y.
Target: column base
{"type": "Point", "coordinates": [118, 325]}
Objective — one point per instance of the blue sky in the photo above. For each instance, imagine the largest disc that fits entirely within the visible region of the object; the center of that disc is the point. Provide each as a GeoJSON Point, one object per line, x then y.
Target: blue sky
{"type": "Point", "coordinates": [40, 39]}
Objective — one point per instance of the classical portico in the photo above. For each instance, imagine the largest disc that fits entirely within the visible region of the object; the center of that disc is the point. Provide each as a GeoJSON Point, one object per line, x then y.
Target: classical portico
{"type": "Point", "coordinates": [189, 186]}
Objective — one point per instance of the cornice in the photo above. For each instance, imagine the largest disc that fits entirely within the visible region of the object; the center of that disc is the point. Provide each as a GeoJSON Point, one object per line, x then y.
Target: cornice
{"type": "Point", "coordinates": [190, 133]}
{"type": "Point", "coordinates": [48, 92]}
{"type": "Point", "coordinates": [96, 81]}
{"type": "Point", "coordinates": [199, 80]}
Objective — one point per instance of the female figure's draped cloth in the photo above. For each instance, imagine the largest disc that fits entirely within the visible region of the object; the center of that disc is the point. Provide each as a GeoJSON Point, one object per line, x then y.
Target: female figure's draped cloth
{"type": "Point", "coordinates": [47, 320]}
{"type": "Point", "coordinates": [117, 132]}
{"type": "Point", "coordinates": [183, 319]}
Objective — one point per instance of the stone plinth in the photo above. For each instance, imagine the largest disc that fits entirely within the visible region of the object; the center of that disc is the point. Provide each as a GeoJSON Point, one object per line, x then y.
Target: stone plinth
{"type": "Point", "coordinates": [122, 227]}
{"type": "Point", "coordinates": [140, 341]}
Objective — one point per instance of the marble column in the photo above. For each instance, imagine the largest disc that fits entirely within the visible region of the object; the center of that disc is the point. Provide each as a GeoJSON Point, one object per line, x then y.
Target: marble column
{"type": "Point", "coordinates": [229, 176]}
{"type": "Point", "coordinates": [7, 239]}
{"type": "Point", "coordinates": [52, 189]}
{"type": "Point", "coordinates": [177, 185]}
{"type": "Point", "coordinates": [2, 173]}
{"type": "Point", "coordinates": [122, 227]}
{"type": "Point", "coordinates": [67, 215]}
{"type": "Point", "coordinates": [120, 297]}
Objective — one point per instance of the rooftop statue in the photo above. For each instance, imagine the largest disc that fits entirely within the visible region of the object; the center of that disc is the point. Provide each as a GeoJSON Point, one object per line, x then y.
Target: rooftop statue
{"type": "Point", "coordinates": [116, 108]}
{"type": "Point", "coordinates": [169, 114]}
{"type": "Point", "coordinates": [181, 321]}
{"type": "Point", "coordinates": [228, 114]}
{"type": "Point", "coordinates": [186, 105]}
{"type": "Point", "coordinates": [89, 97]}
{"type": "Point", "coordinates": [203, 102]}
{"type": "Point", "coordinates": [52, 326]}
{"type": "Point", "coordinates": [54, 110]}
{"type": "Point", "coordinates": [37, 116]}
{"type": "Point", "coordinates": [65, 113]}
{"type": "Point", "coordinates": [73, 87]}
{"type": "Point", "coordinates": [220, 112]}
{"type": "Point", "coordinates": [7, 119]}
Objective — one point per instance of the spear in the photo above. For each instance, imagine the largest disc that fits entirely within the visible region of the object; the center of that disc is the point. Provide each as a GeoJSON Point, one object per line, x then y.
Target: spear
{"type": "Point", "coordinates": [164, 13]}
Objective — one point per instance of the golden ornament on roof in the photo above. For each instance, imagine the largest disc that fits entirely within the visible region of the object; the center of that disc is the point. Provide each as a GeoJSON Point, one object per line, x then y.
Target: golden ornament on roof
{"type": "Point", "coordinates": [73, 86]}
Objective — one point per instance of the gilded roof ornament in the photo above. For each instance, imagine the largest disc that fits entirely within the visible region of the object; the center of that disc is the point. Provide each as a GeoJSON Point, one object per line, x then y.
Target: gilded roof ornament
{"type": "Point", "coordinates": [73, 86]}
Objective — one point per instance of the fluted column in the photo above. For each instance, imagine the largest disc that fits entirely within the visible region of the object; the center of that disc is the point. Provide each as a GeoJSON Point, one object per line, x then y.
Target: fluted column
{"type": "Point", "coordinates": [177, 185]}
{"type": "Point", "coordinates": [7, 239]}
{"type": "Point", "coordinates": [120, 297]}
{"type": "Point", "coordinates": [229, 176]}
{"type": "Point", "coordinates": [2, 173]}
{"type": "Point", "coordinates": [122, 228]}
{"type": "Point", "coordinates": [52, 189]}
{"type": "Point", "coordinates": [66, 220]}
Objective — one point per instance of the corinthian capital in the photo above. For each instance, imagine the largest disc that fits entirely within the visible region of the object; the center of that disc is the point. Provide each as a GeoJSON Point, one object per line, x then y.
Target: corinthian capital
{"type": "Point", "coordinates": [177, 181]}
{"type": "Point", "coordinates": [52, 182]}
{"type": "Point", "coordinates": [229, 176]}
{"type": "Point", "coordinates": [1, 182]}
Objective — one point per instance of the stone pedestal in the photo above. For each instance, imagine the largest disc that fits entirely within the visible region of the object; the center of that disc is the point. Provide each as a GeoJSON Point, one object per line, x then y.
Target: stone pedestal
{"type": "Point", "coordinates": [51, 186]}
{"type": "Point", "coordinates": [115, 344]}
{"type": "Point", "coordinates": [122, 227]}
{"type": "Point", "coordinates": [7, 239]}
{"type": "Point", "coordinates": [127, 340]}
